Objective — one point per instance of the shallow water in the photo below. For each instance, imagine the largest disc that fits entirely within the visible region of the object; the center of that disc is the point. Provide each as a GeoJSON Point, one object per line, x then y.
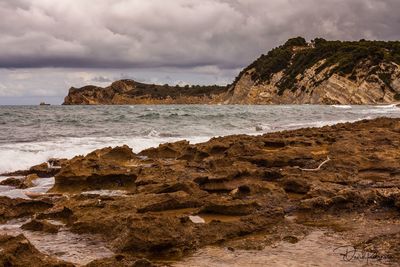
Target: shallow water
{"type": "Point", "coordinates": [32, 134]}
{"type": "Point", "coordinates": [41, 186]}
{"type": "Point", "coordinates": [109, 193]}
{"type": "Point", "coordinates": [65, 245]}
{"type": "Point", "coordinates": [317, 249]}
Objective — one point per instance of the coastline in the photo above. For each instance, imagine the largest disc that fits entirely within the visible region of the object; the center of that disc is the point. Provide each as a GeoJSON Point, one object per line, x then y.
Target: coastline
{"type": "Point", "coordinates": [237, 192]}
{"type": "Point", "coordinates": [36, 134]}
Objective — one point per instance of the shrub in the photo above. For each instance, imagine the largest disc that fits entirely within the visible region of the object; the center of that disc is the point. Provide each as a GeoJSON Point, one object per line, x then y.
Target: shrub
{"type": "Point", "coordinates": [345, 56]}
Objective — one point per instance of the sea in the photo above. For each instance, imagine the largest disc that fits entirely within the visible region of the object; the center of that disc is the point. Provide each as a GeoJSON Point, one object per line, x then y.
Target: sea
{"type": "Point", "coordinates": [30, 135]}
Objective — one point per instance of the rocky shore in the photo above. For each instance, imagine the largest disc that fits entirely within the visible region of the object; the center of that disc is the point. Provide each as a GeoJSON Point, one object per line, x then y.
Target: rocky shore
{"type": "Point", "coordinates": [159, 206]}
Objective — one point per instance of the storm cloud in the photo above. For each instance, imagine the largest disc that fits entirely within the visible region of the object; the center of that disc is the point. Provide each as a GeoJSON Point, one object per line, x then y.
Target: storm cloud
{"type": "Point", "coordinates": [178, 33]}
{"type": "Point", "coordinates": [218, 35]}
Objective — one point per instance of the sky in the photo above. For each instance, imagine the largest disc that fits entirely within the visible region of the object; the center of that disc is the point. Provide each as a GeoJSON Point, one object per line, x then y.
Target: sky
{"type": "Point", "coordinates": [47, 46]}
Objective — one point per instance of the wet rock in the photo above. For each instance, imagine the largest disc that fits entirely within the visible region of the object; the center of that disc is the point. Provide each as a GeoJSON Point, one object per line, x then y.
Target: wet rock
{"type": "Point", "coordinates": [316, 203]}
{"type": "Point", "coordinates": [188, 187]}
{"type": "Point", "coordinates": [16, 173]}
{"type": "Point", "coordinates": [123, 261]}
{"type": "Point", "coordinates": [15, 182]}
{"type": "Point", "coordinates": [396, 198]}
{"type": "Point", "coordinates": [156, 235]}
{"type": "Point", "coordinates": [296, 185]}
{"type": "Point", "coordinates": [291, 239]}
{"type": "Point", "coordinates": [57, 163]}
{"type": "Point", "coordinates": [17, 208]}
{"type": "Point", "coordinates": [170, 150]}
{"type": "Point", "coordinates": [43, 170]}
{"type": "Point", "coordinates": [21, 183]}
{"type": "Point", "coordinates": [169, 201]}
{"type": "Point", "coordinates": [42, 226]}
{"type": "Point", "coordinates": [29, 180]}
{"type": "Point", "coordinates": [143, 263]}
{"type": "Point", "coordinates": [18, 251]}
{"type": "Point", "coordinates": [233, 207]}
{"type": "Point", "coordinates": [101, 169]}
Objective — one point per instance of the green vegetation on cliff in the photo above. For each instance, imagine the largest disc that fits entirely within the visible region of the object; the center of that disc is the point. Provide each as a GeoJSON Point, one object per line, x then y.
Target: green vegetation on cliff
{"type": "Point", "coordinates": [296, 55]}
{"type": "Point", "coordinates": [164, 91]}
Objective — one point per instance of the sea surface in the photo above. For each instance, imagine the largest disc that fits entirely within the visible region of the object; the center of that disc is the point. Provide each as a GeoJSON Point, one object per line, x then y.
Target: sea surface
{"type": "Point", "coordinates": [30, 135]}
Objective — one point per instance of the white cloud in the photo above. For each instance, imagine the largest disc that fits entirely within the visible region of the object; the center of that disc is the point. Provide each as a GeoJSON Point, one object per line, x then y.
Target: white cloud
{"type": "Point", "coordinates": [136, 33]}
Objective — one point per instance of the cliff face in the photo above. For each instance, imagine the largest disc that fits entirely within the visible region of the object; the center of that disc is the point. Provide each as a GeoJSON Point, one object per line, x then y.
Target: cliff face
{"type": "Point", "coordinates": [320, 72]}
{"type": "Point", "coordinates": [313, 88]}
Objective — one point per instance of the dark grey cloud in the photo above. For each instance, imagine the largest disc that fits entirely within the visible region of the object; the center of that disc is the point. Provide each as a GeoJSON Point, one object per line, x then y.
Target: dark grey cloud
{"type": "Point", "coordinates": [177, 33]}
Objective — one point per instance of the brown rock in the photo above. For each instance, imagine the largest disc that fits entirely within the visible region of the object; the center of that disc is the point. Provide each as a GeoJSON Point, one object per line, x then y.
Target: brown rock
{"type": "Point", "coordinates": [21, 183]}
{"type": "Point", "coordinates": [169, 150]}
{"type": "Point", "coordinates": [103, 168]}
{"type": "Point", "coordinates": [43, 170]}
{"type": "Point", "coordinates": [296, 185]}
{"type": "Point", "coordinates": [232, 207]}
{"type": "Point", "coordinates": [18, 251]}
{"type": "Point", "coordinates": [15, 182]}
{"type": "Point", "coordinates": [17, 208]}
{"type": "Point", "coordinates": [42, 226]}
{"type": "Point", "coordinates": [123, 261]}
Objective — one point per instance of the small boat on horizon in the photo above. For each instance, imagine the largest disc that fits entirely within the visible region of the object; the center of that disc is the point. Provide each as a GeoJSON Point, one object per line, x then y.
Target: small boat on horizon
{"type": "Point", "coordinates": [43, 104]}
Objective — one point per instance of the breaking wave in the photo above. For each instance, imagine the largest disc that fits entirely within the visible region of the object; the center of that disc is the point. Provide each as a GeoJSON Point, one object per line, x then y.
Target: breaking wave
{"type": "Point", "coordinates": [30, 135]}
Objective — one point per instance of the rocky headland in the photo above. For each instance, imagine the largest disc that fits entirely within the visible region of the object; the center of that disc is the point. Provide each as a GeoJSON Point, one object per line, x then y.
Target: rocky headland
{"type": "Point", "coordinates": [129, 92]}
{"type": "Point", "coordinates": [318, 72]}
{"type": "Point", "coordinates": [238, 192]}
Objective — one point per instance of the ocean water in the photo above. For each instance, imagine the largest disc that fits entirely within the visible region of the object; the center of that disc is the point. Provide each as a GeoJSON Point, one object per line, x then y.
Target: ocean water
{"type": "Point", "coordinates": [32, 134]}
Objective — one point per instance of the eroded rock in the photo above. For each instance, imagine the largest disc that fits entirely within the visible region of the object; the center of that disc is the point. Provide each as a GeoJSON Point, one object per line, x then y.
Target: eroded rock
{"type": "Point", "coordinates": [18, 251]}
{"type": "Point", "coordinates": [243, 187]}
{"type": "Point", "coordinates": [103, 168]}
{"type": "Point", "coordinates": [41, 226]}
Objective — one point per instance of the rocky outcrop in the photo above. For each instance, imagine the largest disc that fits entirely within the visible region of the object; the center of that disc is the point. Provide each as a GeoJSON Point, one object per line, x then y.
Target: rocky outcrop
{"type": "Point", "coordinates": [102, 169]}
{"type": "Point", "coordinates": [131, 92]}
{"type": "Point", "coordinates": [231, 191]}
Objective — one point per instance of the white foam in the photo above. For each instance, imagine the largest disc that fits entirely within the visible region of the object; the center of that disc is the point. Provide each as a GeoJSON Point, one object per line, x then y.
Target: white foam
{"type": "Point", "coordinates": [315, 124]}
{"type": "Point", "coordinates": [342, 106]}
{"type": "Point", "coordinates": [41, 186]}
{"type": "Point", "coordinates": [22, 156]}
{"type": "Point", "coordinates": [386, 106]}
{"type": "Point", "coordinates": [381, 109]}
{"type": "Point", "coordinates": [110, 193]}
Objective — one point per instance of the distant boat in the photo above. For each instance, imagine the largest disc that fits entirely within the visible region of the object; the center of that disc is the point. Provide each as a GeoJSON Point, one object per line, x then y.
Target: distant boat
{"type": "Point", "coordinates": [44, 104]}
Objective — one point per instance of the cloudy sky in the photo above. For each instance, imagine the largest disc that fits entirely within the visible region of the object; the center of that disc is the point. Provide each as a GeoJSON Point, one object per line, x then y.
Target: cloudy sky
{"type": "Point", "coordinates": [47, 46]}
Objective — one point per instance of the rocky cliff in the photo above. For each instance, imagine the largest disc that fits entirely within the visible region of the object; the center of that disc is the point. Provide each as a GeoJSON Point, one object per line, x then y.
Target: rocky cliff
{"type": "Point", "coordinates": [132, 92]}
{"type": "Point", "coordinates": [319, 72]}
